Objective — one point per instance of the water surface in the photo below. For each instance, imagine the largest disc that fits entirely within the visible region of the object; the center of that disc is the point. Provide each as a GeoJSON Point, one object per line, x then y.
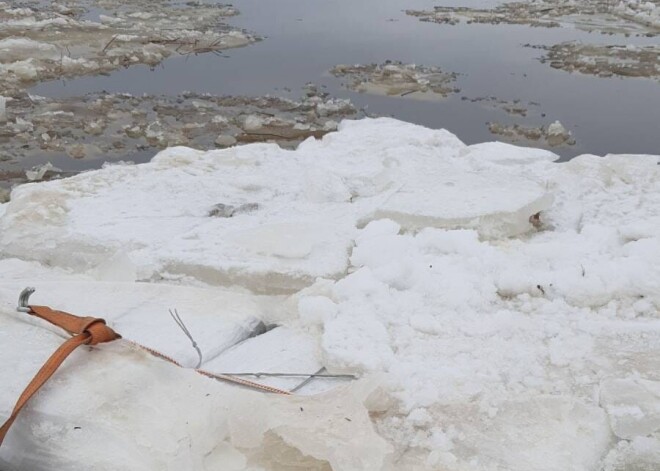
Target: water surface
{"type": "Point", "coordinates": [303, 39]}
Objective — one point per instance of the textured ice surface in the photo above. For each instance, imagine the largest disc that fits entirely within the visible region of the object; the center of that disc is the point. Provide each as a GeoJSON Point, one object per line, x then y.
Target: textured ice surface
{"type": "Point", "coordinates": [279, 350]}
{"type": "Point", "coordinates": [633, 406]}
{"type": "Point", "coordinates": [141, 413]}
{"type": "Point", "coordinates": [310, 202]}
{"type": "Point", "coordinates": [217, 318]}
{"type": "Point", "coordinates": [639, 454]}
{"type": "Point", "coordinates": [498, 344]}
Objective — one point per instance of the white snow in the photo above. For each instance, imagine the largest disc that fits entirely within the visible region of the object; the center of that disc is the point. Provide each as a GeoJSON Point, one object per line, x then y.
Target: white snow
{"type": "Point", "coordinates": [385, 250]}
{"type": "Point", "coordinates": [310, 203]}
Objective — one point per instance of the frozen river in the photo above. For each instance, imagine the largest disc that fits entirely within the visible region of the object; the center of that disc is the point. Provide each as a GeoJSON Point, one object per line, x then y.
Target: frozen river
{"type": "Point", "coordinates": [303, 40]}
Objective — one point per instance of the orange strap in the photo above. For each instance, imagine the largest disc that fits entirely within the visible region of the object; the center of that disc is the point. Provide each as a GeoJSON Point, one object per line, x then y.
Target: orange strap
{"type": "Point", "coordinates": [85, 331]}
{"type": "Point", "coordinates": [91, 331]}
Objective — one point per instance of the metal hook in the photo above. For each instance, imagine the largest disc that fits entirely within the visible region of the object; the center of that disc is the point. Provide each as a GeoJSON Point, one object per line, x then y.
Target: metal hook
{"type": "Point", "coordinates": [24, 298]}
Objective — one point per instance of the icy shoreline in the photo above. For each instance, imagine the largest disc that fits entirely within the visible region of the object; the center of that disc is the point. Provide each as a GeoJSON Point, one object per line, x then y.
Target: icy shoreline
{"type": "Point", "coordinates": [502, 307]}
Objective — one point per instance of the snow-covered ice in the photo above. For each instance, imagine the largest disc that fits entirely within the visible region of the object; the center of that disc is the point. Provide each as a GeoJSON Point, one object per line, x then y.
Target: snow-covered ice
{"type": "Point", "coordinates": [121, 409]}
{"type": "Point", "coordinates": [500, 307]}
{"type": "Point", "coordinates": [310, 203]}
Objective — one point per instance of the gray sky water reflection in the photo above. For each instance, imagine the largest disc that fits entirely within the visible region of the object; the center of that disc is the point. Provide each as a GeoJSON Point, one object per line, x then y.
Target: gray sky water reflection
{"type": "Point", "coordinates": [305, 38]}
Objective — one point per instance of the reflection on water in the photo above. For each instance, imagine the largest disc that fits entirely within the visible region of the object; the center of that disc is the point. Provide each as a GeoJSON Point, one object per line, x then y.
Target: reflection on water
{"type": "Point", "coordinates": [304, 39]}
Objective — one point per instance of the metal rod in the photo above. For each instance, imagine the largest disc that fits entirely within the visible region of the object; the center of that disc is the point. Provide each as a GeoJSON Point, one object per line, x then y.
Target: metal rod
{"type": "Point", "coordinates": [292, 375]}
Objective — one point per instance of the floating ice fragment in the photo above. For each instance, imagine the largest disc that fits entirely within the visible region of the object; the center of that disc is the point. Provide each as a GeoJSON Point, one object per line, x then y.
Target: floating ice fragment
{"type": "Point", "coordinates": [39, 172]}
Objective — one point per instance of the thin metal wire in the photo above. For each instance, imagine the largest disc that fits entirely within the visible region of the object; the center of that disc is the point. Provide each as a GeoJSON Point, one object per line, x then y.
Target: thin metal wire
{"type": "Point", "coordinates": [177, 318]}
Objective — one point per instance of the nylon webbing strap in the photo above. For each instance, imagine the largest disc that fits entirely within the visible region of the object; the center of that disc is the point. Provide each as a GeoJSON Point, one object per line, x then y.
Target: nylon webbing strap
{"type": "Point", "coordinates": [85, 331]}
{"type": "Point", "coordinates": [91, 331]}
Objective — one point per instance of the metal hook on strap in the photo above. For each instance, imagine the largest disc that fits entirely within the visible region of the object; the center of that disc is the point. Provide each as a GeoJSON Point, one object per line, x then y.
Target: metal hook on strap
{"type": "Point", "coordinates": [24, 298]}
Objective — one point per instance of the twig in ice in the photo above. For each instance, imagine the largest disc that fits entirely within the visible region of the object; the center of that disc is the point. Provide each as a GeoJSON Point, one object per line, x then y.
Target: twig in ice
{"type": "Point", "coordinates": [182, 326]}
{"type": "Point", "coordinates": [109, 42]}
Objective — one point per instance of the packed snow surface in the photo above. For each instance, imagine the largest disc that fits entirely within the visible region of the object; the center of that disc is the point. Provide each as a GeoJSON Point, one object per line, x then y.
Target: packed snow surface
{"type": "Point", "coordinates": [500, 308]}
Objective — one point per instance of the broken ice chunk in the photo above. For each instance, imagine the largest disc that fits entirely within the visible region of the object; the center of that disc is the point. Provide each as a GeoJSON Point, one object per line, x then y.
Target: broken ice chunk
{"type": "Point", "coordinates": [557, 134]}
{"type": "Point", "coordinates": [496, 205]}
{"type": "Point", "coordinates": [39, 172]}
{"type": "Point", "coordinates": [524, 433]}
{"type": "Point", "coordinates": [633, 406]}
{"type": "Point", "coordinates": [225, 140]}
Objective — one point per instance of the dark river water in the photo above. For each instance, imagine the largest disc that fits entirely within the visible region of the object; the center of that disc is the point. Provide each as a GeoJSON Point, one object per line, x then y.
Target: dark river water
{"type": "Point", "coordinates": [303, 39]}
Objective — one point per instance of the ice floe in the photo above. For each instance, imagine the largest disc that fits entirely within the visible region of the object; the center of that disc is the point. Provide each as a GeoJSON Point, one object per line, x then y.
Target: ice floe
{"type": "Point", "coordinates": [500, 308]}
{"type": "Point", "coordinates": [310, 202]}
